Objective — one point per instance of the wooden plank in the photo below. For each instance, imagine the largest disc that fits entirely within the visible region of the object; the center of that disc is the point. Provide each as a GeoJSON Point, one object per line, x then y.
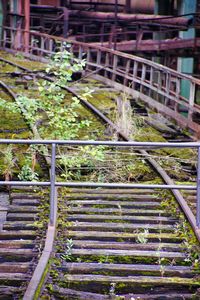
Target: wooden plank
{"type": "Point", "coordinates": [113, 196]}
{"type": "Point", "coordinates": [13, 277]}
{"type": "Point", "coordinates": [136, 219]}
{"type": "Point", "coordinates": [16, 244]}
{"type": "Point", "coordinates": [124, 235]}
{"type": "Point", "coordinates": [127, 211]}
{"type": "Point", "coordinates": [26, 202]}
{"type": "Point", "coordinates": [91, 267]}
{"type": "Point", "coordinates": [110, 191]}
{"type": "Point", "coordinates": [24, 209]}
{"type": "Point", "coordinates": [21, 216]}
{"type": "Point", "coordinates": [3, 208]}
{"type": "Point", "coordinates": [13, 267]}
{"type": "Point", "coordinates": [155, 296]}
{"type": "Point", "coordinates": [31, 189]}
{"type": "Point", "coordinates": [116, 203]}
{"type": "Point", "coordinates": [84, 244]}
{"type": "Point", "coordinates": [18, 252]}
{"type": "Point", "coordinates": [119, 226]}
{"type": "Point", "coordinates": [16, 225]}
{"type": "Point", "coordinates": [134, 279]}
{"type": "Point", "coordinates": [93, 296]}
{"type": "Point", "coordinates": [25, 196]}
{"type": "Point", "coordinates": [134, 253]}
{"type": "Point", "coordinates": [21, 234]}
{"type": "Point", "coordinates": [139, 198]}
{"type": "Point", "coordinates": [8, 291]}
{"type": "Point", "coordinates": [81, 295]}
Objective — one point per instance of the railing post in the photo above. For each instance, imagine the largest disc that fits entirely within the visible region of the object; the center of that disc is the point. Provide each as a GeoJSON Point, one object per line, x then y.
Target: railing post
{"type": "Point", "coordinates": [128, 63]}
{"type": "Point", "coordinates": [159, 86]}
{"type": "Point", "coordinates": [167, 89]}
{"type": "Point", "coordinates": [107, 64]}
{"type": "Point", "coordinates": [198, 191]}
{"type": "Point", "coordinates": [191, 100]}
{"type": "Point", "coordinates": [142, 78]}
{"type": "Point", "coordinates": [53, 188]}
{"type": "Point", "coordinates": [177, 95]}
{"type": "Point", "coordinates": [80, 53]}
{"type": "Point", "coordinates": [114, 67]}
{"type": "Point", "coordinates": [98, 58]}
{"type": "Point", "coordinates": [135, 70]}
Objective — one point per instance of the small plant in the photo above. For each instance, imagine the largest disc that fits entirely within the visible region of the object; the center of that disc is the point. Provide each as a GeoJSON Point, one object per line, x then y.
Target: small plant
{"type": "Point", "coordinates": [68, 253]}
{"type": "Point", "coordinates": [160, 262]}
{"type": "Point", "coordinates": [72, 163]}
{"type": "Point", "coordinates": [112, 290]}
{"type": "Point", "coordinates": [19, 55]}
{"type": "Point", "coordinates": [142, 237]}
{"type": "Point", "coordinates": [127, 121]}
{"type": "Point", "coordinates": [8, 162]}
{"type": "Point", "coordinates": [27, 174]}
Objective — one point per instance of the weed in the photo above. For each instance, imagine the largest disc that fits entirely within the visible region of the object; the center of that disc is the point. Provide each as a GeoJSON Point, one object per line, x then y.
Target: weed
{"type": "Point", "coordinates": [142, 237]}
{"type": "Point", "coordinates": [68, 253]}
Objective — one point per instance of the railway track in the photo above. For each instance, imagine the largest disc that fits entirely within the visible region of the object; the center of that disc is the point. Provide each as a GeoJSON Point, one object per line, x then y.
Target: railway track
{"type": "Point", "coordinates": [110, 243]}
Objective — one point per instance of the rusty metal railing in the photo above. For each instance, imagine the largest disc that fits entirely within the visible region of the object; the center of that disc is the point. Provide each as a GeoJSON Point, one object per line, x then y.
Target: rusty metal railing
{"type": "Point", "coordinates": [156, 85]}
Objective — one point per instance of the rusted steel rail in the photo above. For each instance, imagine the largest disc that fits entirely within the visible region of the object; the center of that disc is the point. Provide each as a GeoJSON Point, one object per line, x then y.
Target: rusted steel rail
{"type": "Point", "coordinates": [158, 86]}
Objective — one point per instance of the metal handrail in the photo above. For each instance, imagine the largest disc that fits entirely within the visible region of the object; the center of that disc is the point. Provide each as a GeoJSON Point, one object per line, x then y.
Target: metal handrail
{"type": "Point", "coordinates": [53, 184]}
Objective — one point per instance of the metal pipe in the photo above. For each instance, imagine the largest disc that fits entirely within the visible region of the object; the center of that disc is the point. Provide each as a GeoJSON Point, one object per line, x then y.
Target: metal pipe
{"type": "Point", "coordinates": [54, 184]}
{"type": "Point", "coordinates": [126, 185]}
{"type": "Point", "coordinates": [102, 143]}
{"type": "Point", "coordinates": [122, 17]}
{"type": "Point", "coordinates": [53, 191]}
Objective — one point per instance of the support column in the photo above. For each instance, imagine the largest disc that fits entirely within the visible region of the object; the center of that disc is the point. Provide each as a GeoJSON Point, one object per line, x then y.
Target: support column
{"type": "Point", "coordinates": [1, 18]}
{"type": "Point", "coordinates": [128, 6]}
{"type": "Point", "coordinates": [186, 65]}
{"type": "Point", "coordinates": [27, 24]}
{"type": "Point", "coordinates": [163, 8]}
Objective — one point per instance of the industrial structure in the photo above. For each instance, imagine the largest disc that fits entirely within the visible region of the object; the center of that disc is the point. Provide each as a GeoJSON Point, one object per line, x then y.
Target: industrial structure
{"type": "Point", "coordinates": [115, 232]}
{"type": "Point", "coordinates": [165, 31]}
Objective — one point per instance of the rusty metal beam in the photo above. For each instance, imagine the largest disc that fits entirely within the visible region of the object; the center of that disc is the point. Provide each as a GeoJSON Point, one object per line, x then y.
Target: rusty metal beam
{"type": "Point", "coordinates": [105, 16]}
{"type": "Point", "coordinates": [110, 16]}
{"type": "Point", "coordinates": [27, 24]}
{"type": "Point", "coordinates": [155, 45]}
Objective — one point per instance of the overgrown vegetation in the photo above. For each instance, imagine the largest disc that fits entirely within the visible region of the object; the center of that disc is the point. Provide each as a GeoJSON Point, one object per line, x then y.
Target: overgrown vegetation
{"type": "Point", "coordinates": [50, 115]}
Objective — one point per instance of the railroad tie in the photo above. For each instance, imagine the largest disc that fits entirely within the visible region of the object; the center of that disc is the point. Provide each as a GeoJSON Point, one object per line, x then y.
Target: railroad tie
{"type": "Point", "coordinates": [18, 244]}
{"type": "Point", "coordinates": [122, 244]}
